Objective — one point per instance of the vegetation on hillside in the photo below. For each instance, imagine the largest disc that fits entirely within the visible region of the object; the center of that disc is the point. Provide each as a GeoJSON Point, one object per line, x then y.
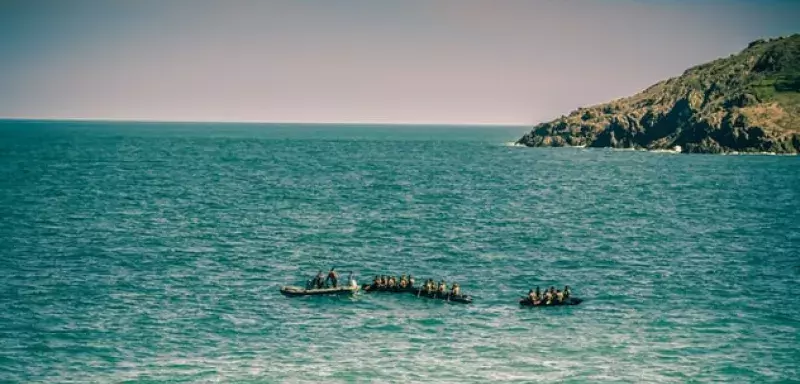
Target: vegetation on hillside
{"type": "Point", "coordinates": [748, 102]}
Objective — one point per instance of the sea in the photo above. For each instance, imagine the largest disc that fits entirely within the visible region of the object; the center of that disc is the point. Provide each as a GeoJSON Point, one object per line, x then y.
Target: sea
{"type": "Point", "coordinates": [154, 252]}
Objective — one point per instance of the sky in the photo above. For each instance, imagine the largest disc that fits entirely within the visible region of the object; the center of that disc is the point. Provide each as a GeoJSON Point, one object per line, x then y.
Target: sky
{"type": "Point", "coordinates": [365, 61]}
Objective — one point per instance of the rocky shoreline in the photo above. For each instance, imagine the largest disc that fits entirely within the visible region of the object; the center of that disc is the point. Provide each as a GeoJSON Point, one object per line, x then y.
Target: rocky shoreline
{"type": "Point", "coordinates": [746, 103]}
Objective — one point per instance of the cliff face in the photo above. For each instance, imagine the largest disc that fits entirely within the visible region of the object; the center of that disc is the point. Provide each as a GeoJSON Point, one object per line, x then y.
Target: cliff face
{"type": "Point", "coordinates": [749, 102]}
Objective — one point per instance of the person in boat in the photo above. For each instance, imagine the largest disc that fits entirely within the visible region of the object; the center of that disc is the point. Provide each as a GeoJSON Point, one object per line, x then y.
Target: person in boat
{"type": "Point", "coordinates": [333, 277]}
{"type": "Point", "coordinates": [410, 281]}
{"type": "Point", "coordinates": [319, 280]}
{"type": "Point", "coordinates": [376, 282]}
{"type": "Point", "coordinates": [566, 292]}
{"type": "Point", "coordinates": [352, 281]}
{"type": "Point", "coordinates": [428, 286]}
{"type": "Point", "coordinates": [442, 287]}
{"type": "Point", "coordinates": [548, 297]}
{"type": "Point", "coordinates": [559, 296]}
{"type": "Point", "coordinates": [383, 281]}
{"type": "Point", "coordinates": [532, 296]}
{"type": "Point", "coordinates": [456, 291]}
{"type": "Point", "coordinates": [391, 282]}
{"type": "Point", "coordinates": [403, 282]}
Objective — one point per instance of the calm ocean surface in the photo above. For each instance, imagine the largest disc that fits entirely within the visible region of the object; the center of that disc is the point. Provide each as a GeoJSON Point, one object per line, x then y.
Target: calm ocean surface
{"type": "Point", "coordinates": [154, 253]}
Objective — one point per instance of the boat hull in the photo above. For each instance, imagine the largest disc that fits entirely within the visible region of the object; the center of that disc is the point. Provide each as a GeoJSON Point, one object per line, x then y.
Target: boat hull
{"type": "Point", "coordinates": [374, 288]}
{"type": "Point", "coordinates": [290, 290]}
{"type": "Point", "coordinates": [464, 299]}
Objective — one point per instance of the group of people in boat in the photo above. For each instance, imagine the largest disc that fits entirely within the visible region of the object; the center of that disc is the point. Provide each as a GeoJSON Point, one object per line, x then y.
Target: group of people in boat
{"type": "Point", "coordinates": [321, 281]}
{"type": "Point", "coordinates": [549, 297]}
{"type": "Point", "coordinates": [393, 282]}
{"type": "Point", "coordinates": [405, 282]}
{"type": "Point", "coordinates": [431, 287]}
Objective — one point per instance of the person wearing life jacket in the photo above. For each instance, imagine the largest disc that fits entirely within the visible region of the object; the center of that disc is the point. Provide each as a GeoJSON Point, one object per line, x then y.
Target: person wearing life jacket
{"type": "Point", "coordinates": [391, 282]}
{"type": "Point", "coordinates": [538, 296]}
{"type": "Point", "coordinates": [531, 296]}
{"type": "Point", "coordinates": [442, 287]}
{"type": "Point", "coordinates": [548, 297]}
{"type": "Point", "coordinates": [559, 296]}
{"type": "Point", "coordinates": [456, 291]}
{"type": "Point", "coordinates": [333, 277]}
{"type": "Point", "coordinates": [566, 292]}
{"type": "Point", "coordinates": [410, 281]}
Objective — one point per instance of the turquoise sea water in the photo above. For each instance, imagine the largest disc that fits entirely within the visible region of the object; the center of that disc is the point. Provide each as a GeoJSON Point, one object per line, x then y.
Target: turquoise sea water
{"type": "Point", "coordinates": [154, 253]}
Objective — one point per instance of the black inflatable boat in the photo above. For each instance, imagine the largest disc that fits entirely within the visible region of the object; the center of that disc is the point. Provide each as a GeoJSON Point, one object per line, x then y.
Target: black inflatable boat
{"type": "Point", "coordinates": [526, 302]}
{"type": "Point", "coordinates": [464, 299]}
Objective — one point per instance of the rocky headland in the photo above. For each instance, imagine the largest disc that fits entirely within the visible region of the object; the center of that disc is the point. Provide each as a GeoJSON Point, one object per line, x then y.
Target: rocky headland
{"type": "Point", "coordinates": [748, 102]}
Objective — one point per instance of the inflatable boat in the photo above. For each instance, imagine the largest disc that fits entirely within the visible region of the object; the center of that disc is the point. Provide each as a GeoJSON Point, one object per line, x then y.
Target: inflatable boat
{"type": "Point", "coordinates": [291, 290]}
{"type": "Point", "coordinates": [464, 299]}
{"type": "Point", "coordinates": [526, 302]}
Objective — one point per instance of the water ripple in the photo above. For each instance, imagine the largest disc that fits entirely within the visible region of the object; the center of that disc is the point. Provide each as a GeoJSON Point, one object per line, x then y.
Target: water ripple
{"type": "Point", "coordinates": [145, 254]}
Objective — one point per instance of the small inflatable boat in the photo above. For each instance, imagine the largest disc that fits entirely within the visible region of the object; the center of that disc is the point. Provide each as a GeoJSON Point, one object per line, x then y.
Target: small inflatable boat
{"type": "Point", "coordinates": [526, 302]}
{"type": "Point", "coordinates": [378, 288]}
{"type": "Point", "coordinates": [291, 290]}
{"type": "Point", "coordinates": [464, 299]}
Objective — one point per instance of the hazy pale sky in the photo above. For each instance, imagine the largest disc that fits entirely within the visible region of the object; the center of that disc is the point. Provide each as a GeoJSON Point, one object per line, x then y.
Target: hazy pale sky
{"type": "Point", "coordinates": [402, 61]}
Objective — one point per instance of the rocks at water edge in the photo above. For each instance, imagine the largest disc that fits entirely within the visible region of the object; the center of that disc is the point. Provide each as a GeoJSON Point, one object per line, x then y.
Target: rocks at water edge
{"type": "Point", "coordinates": [748, 102]}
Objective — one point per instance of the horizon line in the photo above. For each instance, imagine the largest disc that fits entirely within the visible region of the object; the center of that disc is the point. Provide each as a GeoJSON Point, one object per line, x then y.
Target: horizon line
{"type": "Point", "coordinates": [177, 121]}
